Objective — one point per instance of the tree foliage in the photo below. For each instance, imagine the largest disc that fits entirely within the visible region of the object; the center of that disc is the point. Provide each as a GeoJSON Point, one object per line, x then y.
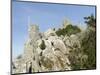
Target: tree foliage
{"type": "Point", "coordinates": [90, 21]}
{"type": "Point", "coordinates": [89, 48]}
{"type": "Point", "coordinates": [85, 56]}
{"type": "Point", "coordinates": [89, 42]}
{"type": "Point", "coordinates": [69, 29]}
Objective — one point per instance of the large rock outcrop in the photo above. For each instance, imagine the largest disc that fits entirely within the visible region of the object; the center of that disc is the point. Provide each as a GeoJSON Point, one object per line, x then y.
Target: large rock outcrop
{"type": "Point", "coordinates": [45, 52]}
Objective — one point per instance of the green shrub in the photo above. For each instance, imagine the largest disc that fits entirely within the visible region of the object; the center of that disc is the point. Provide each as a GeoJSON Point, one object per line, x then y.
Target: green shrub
{"type": "Point", "coordinates": [69, 29]}
{"type": "Point", "coordinates": [85, 57]}
{"type": "Point", "coordinates": [89, 48]}
{"type": "Point", "coordinates": [89, 42]}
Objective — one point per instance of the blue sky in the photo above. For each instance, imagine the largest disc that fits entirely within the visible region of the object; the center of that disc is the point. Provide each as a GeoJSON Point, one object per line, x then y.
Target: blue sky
{"type": "Point", "coordinates": [46, 16]}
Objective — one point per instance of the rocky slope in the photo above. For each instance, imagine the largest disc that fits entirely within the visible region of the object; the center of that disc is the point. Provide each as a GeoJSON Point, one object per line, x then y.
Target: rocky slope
{"type": "Point", "coordinates": [48, 52]}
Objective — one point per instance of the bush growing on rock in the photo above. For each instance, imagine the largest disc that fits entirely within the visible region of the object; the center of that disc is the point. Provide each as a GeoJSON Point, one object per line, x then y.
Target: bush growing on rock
{"type": "Point", "coordinates": [69, 29]}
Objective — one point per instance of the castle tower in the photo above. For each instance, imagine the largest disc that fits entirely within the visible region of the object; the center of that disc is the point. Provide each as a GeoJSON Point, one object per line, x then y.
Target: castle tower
{"type": "Point", "coordinates": [33, 30]}
{"type": "Point", "coordinates": [65, 23]}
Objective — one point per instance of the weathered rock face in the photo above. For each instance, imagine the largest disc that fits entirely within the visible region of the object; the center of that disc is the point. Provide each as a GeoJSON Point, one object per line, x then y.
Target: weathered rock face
{"type": "Point", "coordinates": [45, 52]}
